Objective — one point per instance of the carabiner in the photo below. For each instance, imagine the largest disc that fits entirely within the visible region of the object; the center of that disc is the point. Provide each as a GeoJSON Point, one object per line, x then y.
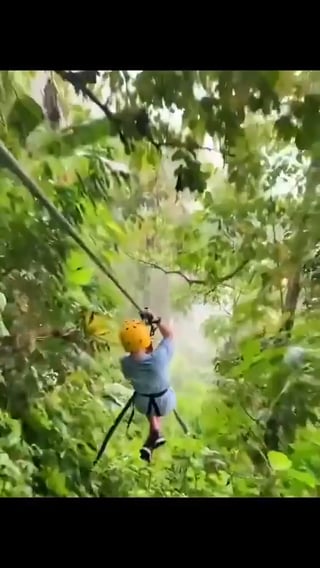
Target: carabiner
{"type": "Point", "coordinates": [147, 317]}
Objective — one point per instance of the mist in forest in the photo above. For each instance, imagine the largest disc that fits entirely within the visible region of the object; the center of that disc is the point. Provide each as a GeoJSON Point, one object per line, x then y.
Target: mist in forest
{"type": "Point", "coordinates": [189, 335]}
{"type": "Point", "coordinates": [193, 351]}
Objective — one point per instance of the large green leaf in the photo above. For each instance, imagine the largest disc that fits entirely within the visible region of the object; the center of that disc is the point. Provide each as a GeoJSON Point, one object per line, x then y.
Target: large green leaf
{"type": "Point", "coordinates": [3, 302]}
{"type": "Point", "coordinates": [3, 329]}
{"type": "Point", "coordinates": [279, 461]}
{"type": "Point", "coordinates": [25, 116]}
{"type": "Point", "coordinates": [64, 143]}
{"type": "Point", "coordinates": [78, 270]}
{"type": "Point", "coordinates": [56, 482]}
{"type": "Point", "coordinates": [304, 477]}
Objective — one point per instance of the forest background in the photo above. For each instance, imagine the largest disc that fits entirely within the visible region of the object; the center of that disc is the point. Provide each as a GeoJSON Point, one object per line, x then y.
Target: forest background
{"type": "Point", "coordinates": [199, 191]}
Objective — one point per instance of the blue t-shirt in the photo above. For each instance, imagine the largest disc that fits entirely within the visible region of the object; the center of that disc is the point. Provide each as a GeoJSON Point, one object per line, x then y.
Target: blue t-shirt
{"type": "Point", "coordinates": [150, 374]}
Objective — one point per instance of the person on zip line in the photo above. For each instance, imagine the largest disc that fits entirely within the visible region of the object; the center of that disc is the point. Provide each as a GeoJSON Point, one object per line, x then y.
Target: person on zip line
{"type": "Point", "coordinates": [148, 371]}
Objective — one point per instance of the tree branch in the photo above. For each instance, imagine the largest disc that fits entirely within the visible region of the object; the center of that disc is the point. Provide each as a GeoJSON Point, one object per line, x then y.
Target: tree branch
{"type": "Point", "coordinates": [278, 265]}
{"type": "Point", "coordinates": [300, 243]}
{"type": "Point", "coordinates": [189, 280]}
{"type": "Point", "coordinates": [248, 413]}
{"type": "Point", "coordinates": [78, 85]}
{"type": "Point", "coordinates": [233, 272]}
{"type": "Point", "coordinates": [228, 276]}
{"type": "Point", "coordinates": [77, 81]}
{"type": "Point", "coordinates": [178, 144]}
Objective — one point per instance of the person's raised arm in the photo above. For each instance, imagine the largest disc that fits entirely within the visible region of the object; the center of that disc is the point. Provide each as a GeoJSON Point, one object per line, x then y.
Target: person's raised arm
{"type": "Point", "coordinates": [165, 330]}
{"type": "Point", "coordinates": [165, 348]}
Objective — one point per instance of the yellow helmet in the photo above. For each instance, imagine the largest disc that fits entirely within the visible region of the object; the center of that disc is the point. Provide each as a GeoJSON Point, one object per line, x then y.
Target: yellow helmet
{"type": "Point", "coordinates": [134, 335]}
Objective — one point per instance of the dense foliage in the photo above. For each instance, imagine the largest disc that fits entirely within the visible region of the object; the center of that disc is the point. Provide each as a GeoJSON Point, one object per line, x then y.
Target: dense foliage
{"type": "Point", "coordinates": [210, 177]}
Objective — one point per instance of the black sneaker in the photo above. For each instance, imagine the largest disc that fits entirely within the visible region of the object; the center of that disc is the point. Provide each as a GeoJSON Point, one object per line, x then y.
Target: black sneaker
{"type": "Point", "coordinates": [146, 454]}
{"type": "Point", "coordinates": [158, 441]}
{"type": "Point", "coordinates": [146, 450]}
{"type": "Point", "coordinates": [154, 441]}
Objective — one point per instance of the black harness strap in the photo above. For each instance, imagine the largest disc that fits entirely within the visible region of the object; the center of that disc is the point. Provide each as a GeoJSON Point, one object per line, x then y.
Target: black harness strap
{"type": "Point", "coordinates": [131, 415]}
{"type": "Point", "coordinates": [152, 405]}
{"type": "Point", "coordinates": [113, 428]}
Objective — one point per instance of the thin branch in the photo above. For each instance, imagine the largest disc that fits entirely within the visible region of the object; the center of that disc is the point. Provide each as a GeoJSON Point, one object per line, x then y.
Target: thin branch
{"type": "Point", "coordinates": [208, 293]}
{"type": "Point", "coordinates": [248, 413]}
{"type": "Point", "coordinates": [178, 144]}
{"type": "Point", "coordinates": [165, 271]}
{"type": "Point", "coordinates": [236, 300]}
{"type": "Point", "coordinates": [278, 265]}
{"type": "Point", "coordinates": [223, 308]}
{"type": "Point", "coordinates": [228, 276]}
{"type": "Point", "coordinates": [233, 272]}
{"type": "Point", "coordinates": [189, 280]}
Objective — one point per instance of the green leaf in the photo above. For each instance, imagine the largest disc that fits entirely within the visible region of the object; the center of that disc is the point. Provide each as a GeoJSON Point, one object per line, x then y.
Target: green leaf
{"type": "Point", "coordinates": [13, 439]}
{"type": "Point", "coordinates": [179, 155]}
{"type": "Point", "coordinates": [304, 477]}
{"type": "Point", "coordinates": [25, 116]}
{"type": "Point", "coordinates": [3, 302]}
{"type": "Point", "coordinates": [279, 461]}
{"type": "Point", "coordinates": [8, 466]}
{"type": "Point", "coordinates": [78, 270]}
{"type": "Point", "coordinates": [5, 460]}
{"type": "Point", "coordinates": [85, 134]}
{"type": "Point", "coordinates": [81, 277]}
{"type": "Point", "coordinates": [250, 350]}
{"type": "Point", "coordinates": [64, 143]}
{"type": "Point", "coordinates": [3, 330]}
{"type": "Point", "coordinates": [56, 482]}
